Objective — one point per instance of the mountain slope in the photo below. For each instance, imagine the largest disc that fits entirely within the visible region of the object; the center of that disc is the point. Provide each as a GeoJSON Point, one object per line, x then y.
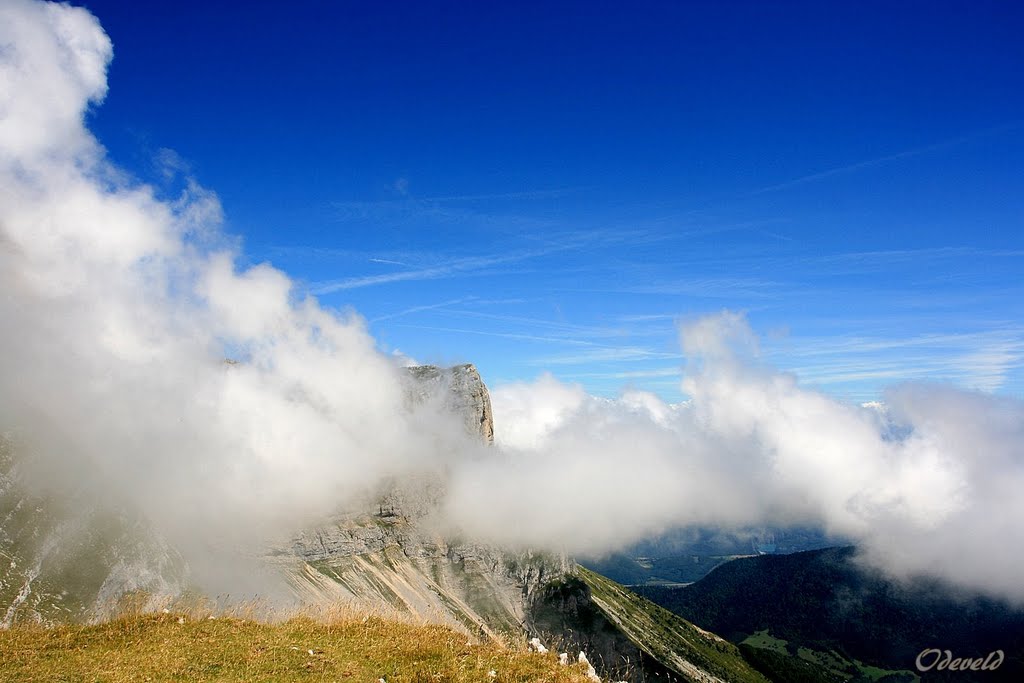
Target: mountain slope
{"type": "Point", "coordinates": [65, 559]}
{"type": "Point", "coordinates": [628, 636]}
{"type": "Point", "coordinates": [826, 601]}
{"type": "Point", "coordinates": [674, 642]}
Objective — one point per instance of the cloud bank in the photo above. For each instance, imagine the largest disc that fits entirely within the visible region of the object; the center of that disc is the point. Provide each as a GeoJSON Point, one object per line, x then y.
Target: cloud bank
{"type": "Point", "coordinates": [925, 483]}
{"type": "Point", "coordinates": [119, 307]}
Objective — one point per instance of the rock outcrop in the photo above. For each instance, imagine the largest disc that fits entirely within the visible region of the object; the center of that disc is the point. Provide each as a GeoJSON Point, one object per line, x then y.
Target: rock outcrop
{"type": "Point", "coordinates": [464, 390]}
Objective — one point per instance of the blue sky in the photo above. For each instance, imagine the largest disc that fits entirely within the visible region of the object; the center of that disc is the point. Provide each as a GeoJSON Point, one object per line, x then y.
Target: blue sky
{"type": "Point", "coordinates": [535, 187]}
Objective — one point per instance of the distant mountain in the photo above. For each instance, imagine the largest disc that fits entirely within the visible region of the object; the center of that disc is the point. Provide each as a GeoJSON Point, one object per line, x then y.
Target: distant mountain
{"type": "Point", "coordinates": [686, 556]}
{"type": "Point", "coordinates": [716, 542]}
{"type": "Point", "coordinates": [825, 601]}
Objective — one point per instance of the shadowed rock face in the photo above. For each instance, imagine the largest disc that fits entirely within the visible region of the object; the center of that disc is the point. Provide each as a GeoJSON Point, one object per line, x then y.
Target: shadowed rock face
{"type": "Point", "coordinates": [465, 391]}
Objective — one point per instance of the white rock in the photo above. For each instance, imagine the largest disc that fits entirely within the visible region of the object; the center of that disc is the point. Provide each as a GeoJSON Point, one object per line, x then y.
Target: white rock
{"type": "Point", "coordinates": [591, 672]}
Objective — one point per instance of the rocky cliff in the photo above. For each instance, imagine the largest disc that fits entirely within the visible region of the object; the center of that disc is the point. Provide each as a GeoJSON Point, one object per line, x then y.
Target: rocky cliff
{"type": "Point", "coordinates": [394, 563]}
{"type": "Point", "coordinates": [464, 391]}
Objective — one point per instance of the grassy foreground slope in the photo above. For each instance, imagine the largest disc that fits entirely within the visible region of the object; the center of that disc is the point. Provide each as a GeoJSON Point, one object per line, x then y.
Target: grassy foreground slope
{"type": "Point", "coordinates": [173, 647]}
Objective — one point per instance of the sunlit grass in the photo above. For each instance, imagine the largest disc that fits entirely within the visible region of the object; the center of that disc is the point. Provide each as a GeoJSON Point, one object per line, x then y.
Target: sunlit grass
{"type": "Point", "coordinates": [188, 646]}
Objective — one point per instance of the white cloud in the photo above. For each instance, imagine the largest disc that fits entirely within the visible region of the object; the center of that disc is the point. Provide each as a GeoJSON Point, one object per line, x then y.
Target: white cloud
{"type": "Point", "coordinates": [54, 64]}
{"type": "Point", "coordinates": [119, 310]}
{"type": "Point", "coordinates": [530, 412]}
{"type": "Point", "coordinates": [926, 485]}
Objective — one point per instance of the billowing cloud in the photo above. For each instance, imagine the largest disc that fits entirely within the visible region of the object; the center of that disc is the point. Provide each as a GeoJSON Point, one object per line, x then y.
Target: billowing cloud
{"type": "Point", "coordinates": [120, 308]}
{"type": "Point", "coordinates": [925, 483]}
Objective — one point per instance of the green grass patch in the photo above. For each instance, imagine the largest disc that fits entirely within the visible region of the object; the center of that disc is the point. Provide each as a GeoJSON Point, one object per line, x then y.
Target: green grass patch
{"type": "Point", "coordinates": [763, 640]}
{"type": "Point", "coordinates": [829, 664]}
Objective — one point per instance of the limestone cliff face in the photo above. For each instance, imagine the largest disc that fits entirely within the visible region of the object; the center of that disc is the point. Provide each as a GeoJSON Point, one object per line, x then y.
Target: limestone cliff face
{"type": "Point", "coordinates": [394, 562]}
{"type": "Point", "coordinates": [389, 558]}
{"type": "Point", "coordinates": [464, 391]}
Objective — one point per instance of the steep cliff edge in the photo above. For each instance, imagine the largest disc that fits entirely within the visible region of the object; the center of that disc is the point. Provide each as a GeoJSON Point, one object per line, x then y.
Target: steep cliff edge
{"type": "Point", "coordinates": [464, 391]}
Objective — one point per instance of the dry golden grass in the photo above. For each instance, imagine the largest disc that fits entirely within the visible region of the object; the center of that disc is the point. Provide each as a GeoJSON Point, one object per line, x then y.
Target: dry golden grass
{"type": "Point", "coordinates": [195, 645]}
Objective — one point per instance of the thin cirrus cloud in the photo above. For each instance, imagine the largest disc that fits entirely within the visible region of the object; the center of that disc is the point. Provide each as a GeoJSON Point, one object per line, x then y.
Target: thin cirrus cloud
{"type": "Point", "coordinates": [421, 309]}
{"type": "Point", "coordinates": [873, 261]}
{"type": "Point", "coordinates": [474, 265]}
{"type": "Point", "coordinates": [620, 354]}
{"type": "Point", "coordinates": [979, 360]}
{"type": "Point", "coordinates": [674, 373]}
{"type": "Point", "coordinates": [547, 245]}
{"type": "Point", "coordinates": [708, 287]}
{"type": "Point", "coordinates": [551, 326]}
{"type": "Point", "coordinates": [501, 335]}
{"type": "Point", "coordinates": [889, 158]}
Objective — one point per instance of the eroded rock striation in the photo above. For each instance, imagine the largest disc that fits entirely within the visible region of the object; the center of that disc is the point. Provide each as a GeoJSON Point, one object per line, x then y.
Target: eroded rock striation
{"type": "Point", "coordinates": [397, 563]}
